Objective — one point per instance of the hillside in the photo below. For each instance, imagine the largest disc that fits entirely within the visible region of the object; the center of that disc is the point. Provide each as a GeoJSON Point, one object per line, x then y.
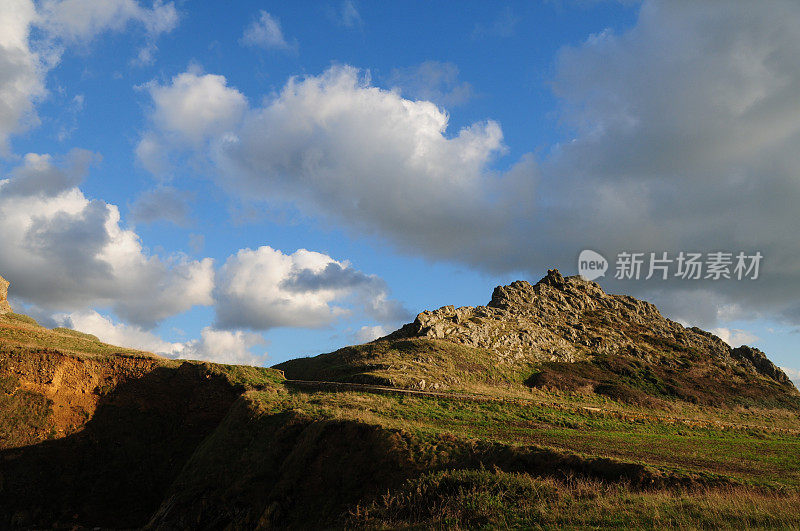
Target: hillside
{"type": "Point", "coordinates": [96, 436]}
{"type": "Point", "coordinates": [562, 334]}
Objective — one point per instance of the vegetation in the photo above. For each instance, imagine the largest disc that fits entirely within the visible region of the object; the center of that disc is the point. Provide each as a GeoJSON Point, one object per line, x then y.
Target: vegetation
{"type": "Point", "coordinates": [477, 445]}
{"type": "Point", "coordinates": [411, 363]}
{"type": "Point", "coordinates": [471, 499]}
{"type": "Point", "coordinates": [685, 378]}
{"type": "Point", "coordinates": [21, 331]}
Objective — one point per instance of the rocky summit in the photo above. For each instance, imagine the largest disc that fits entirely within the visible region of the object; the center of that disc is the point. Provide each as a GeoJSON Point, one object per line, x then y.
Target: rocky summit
{"type": "Point", "coordinates": [563, 334]}
{"type": "Point", "coordinates": [571, 319]}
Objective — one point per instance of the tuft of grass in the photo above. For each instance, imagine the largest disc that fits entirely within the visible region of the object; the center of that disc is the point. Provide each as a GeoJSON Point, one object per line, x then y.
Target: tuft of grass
{"type": "Point", "coordinates": [473, 499]}
{"type": "Point", "coordinates": [76, 333]}
{"type": "Point", "coordinates": [18, 318]}
{"type": "Point", "coordinates": [414, 363]}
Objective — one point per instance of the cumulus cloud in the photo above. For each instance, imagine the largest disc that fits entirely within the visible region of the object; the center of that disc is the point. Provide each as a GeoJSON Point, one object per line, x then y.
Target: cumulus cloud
{"type": "Point", "coordinates": [265, 32]}
{"type": "Point", "coordinates": [683, 136]}
{"type": "Point", "coordinates": [219, 346]}
{"type": "Point", "coordinates": [21, 70]}
{"type": "Point", "coordinates": [670, 150]}
{"type": "Point", "coordinates": [24, 63]}
{"type": "Point", "coordinates": [433, 81]}
{"type": "Point", "coordinates": [346, 150]}
{"type": "Point", "coordinates": [265, 288]}
{"type": "Point", "coordinates": [224, 346]}
{"type": "Point", "coordinates": [164, 203]}
{"type": "Point", "coordinates": [188, 112]}
{"type": "Point", "coordinates": [38, 175]}
{"type": "Point", "coordinates": [365, 334]}
{"type": "Point", "coordinates": [735, 337]}
{"type": "Point", "coordinates": [65, 252]}
{"type": "Point", "coordinates": [120, 334]}
{"type": "Point", "coordinates": [80, 21]}
{"type": "Point", "coordinates": [353, 152]}
{"type": "Point", "coordinates": [195, 107]}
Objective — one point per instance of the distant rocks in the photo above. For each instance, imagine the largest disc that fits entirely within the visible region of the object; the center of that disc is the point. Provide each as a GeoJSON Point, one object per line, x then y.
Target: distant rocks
{"type": "Point", "coordinates": [4, 306]}
{"type": "Point", "coordinates": [571, 319]}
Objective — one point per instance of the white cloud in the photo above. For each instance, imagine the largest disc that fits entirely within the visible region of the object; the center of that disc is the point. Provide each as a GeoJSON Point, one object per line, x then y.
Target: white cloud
{"type": "Point", "coordinates": [62, 22]}
{"type": "Point", "coordinates": [223, 346]}
{"type": "Point", "coordinates": [83, 20]}
{"type": "Point", "coordinates": [218, 346]}
{"type": "Point", "coordinates": [350, 151]}
{"type": "Point", "coordinates": [79, 22]}
{"type": "Point", "coordinates": [21, 70]}
{"type": "Point", "coordinates": [735, 337]}
{"type": "Point", "coordinates": [345, 149]}
{"type": "Point", "coordinates": [195, 107]}
{"type": "Point", "coordinates": [120, 334]}
{"type": "Point", "coordinates": [365, 334]}
{"type": "Point", "coordinates": [265, 32]}
{"type": "Point", "coordinates": [65, 252]}
{"type": "Point", "coordinates": [686, 134]}
{"type": "Point", "coordinates": [187, 112]}
{"type": "Point", "coordinates": [683, 136]}
{"type": "Point", "coordinates": [264, 288]}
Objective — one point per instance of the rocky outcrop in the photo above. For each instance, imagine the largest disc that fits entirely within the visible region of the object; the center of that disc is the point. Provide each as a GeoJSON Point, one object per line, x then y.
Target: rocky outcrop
{"type": "Point", "coordinates": [4, 306]}
{"type": "Point", "coordinates": [571, 319]}
{"type": "Point", "coordinates": [754, 359]}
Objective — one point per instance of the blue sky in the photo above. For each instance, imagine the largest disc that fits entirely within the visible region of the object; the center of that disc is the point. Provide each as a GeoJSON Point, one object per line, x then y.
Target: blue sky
{"type": "Point", "coordinates": [421, 154]}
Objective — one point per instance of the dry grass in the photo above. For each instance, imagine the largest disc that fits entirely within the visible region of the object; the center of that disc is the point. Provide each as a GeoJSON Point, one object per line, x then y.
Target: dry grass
{"type": "Point", "coordinates": [470, 499]}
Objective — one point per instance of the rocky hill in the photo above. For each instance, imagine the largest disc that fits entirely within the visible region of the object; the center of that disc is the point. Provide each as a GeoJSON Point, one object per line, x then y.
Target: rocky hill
{"type": "Point", "coordinates": [535, 414]}
{"type": "Point", "coordinates": [561, 333]}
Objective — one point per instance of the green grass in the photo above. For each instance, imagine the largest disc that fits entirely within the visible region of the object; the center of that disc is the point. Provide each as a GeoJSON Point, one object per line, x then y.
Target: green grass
{"type": "Point", "coordinates": [245, 377]}
{"type": "Point", "coordinates": [546, 456]}
{"type": "Point", "coordinates": [390, 461]}
{"type": "Point", "coordinates": [18, 318]}
{"type": "Point", "coordinates": [408, 363]}
{"type": "Point", "coordinates": [23, 332]}
{"type": "Point", "coordinates": [76, 333]}
{"type": "Point", "coordinates": [744, 455]}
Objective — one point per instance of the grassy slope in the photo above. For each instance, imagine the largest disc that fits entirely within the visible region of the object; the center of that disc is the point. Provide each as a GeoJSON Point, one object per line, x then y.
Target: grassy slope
{"type": "Point", "coordinates": [430, 364]}
{"type": "Point", "coordinates": [276, 455]}
{"type": "Point", "coordinates": [383, 460]}
{"type": "Point", "coordinates": [407, 363]}
{"type": "Point", "coordinates": [20, 331]}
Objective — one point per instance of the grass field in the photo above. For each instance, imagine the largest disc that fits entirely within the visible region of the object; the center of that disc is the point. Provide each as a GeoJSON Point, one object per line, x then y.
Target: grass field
{"type": "Point", "coordinates": [215, 446]}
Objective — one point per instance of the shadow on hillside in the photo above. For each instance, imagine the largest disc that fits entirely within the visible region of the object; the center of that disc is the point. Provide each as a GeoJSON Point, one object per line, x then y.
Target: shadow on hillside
{"type": "Point", "coordinates": [115, 471]}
